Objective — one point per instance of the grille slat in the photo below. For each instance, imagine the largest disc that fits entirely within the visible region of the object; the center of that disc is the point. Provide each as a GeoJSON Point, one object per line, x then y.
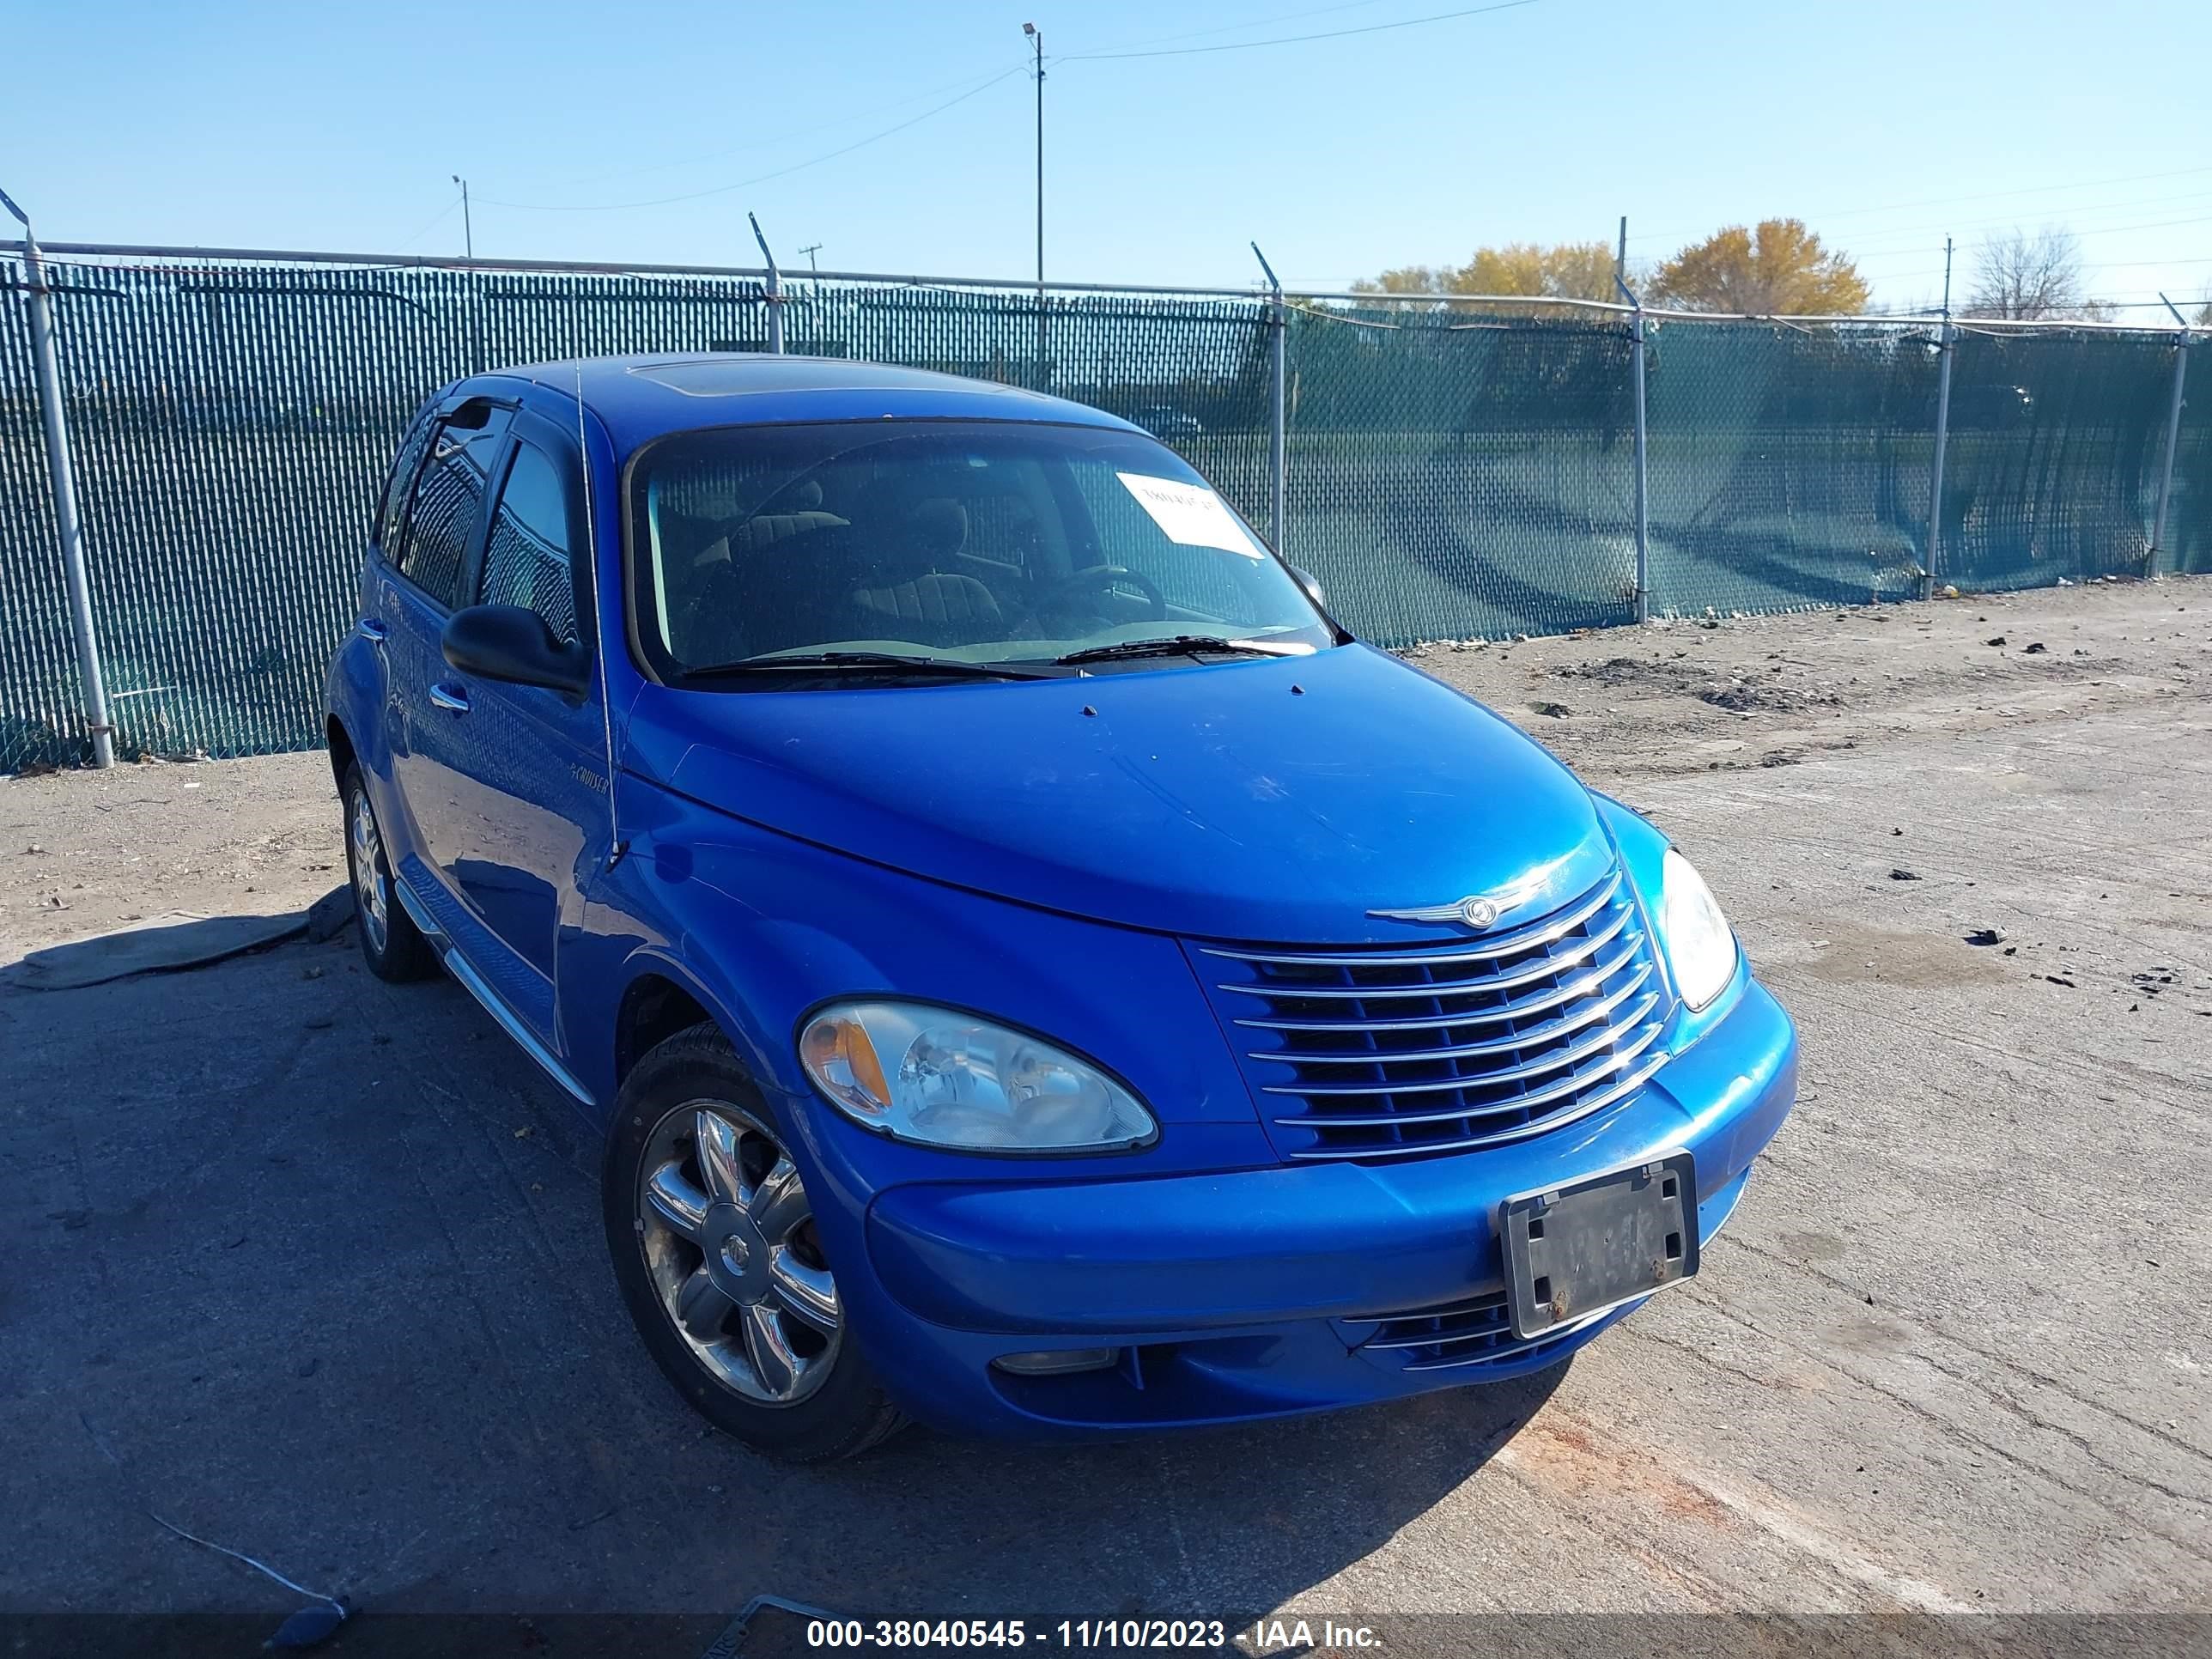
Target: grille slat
{"type": "Point", "coordinates": [1545, 930]}
{"type": "Point", "coordinates": [1397, 1052]}
{"type": "Point", "coordinates": [1526, 1070]}
{"type": "Point", "coordinates": [1518, 1008]}
{"type": "Point", "coordinates": [1572, 952]}
{"type": "Point", "coordinates": [1558, 1089]}
{"type": "Point", "coordinates": [1551, 1120]}
{"type": "Point", "coordinates": [1589, 1010]}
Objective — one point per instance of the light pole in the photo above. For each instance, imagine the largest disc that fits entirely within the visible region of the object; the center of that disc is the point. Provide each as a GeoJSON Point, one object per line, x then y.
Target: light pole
{"type": "Point", "coordinates": [1037, 43]}
{"type": "Point", "coordinates": [468, 280]}
{"type": "Point", "coordinates": [468, 230]}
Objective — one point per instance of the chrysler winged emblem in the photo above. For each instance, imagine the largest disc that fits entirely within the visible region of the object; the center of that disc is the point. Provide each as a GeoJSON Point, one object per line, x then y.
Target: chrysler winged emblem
{"type": "Point", "coordinates": [1473, 911]}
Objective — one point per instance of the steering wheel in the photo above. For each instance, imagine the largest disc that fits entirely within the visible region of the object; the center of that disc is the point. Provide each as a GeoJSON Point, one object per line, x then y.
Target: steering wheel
{"type": "Point", "coordinates": [1098, 579]}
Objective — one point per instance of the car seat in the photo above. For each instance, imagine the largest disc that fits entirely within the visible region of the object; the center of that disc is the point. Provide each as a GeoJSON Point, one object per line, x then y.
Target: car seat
{"type": "Point", "coordinates": [903, 592]}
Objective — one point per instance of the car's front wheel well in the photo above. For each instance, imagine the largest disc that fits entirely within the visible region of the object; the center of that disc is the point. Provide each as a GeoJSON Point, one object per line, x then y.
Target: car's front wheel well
{"type": "Point", "coordinates": [654, 1009]}
{"type": "Point", "coordinates": [341, 755]}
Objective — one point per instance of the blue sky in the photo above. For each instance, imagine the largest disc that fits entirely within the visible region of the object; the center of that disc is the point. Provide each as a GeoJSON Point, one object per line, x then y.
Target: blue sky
{"type": "Point", "coordinates": [1883, 124]}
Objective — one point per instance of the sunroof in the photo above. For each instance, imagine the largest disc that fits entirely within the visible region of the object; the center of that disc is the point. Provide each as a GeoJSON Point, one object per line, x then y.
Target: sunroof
{"type": "Point", "coordinates": [708, 377]}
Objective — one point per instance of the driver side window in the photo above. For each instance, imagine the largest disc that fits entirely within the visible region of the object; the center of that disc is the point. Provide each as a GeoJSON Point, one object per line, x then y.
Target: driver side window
{"type": "Point", "coordinates": [526, 555]}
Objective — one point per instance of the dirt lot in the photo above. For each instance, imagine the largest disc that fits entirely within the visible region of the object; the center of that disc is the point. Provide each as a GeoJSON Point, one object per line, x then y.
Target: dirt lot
{"type": "Point", "coordinates": [319, 1259]}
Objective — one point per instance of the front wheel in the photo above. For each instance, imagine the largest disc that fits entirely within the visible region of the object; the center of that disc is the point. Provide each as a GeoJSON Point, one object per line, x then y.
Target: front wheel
{"type": "Point", "coordinates": [719, 1258]}
{"type": "Point", "coordinates": [392, 945]}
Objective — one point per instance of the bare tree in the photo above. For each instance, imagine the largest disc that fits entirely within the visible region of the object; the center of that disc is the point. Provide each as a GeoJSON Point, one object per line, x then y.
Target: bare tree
{"type": "Point", "coordinates": [2023, 276]}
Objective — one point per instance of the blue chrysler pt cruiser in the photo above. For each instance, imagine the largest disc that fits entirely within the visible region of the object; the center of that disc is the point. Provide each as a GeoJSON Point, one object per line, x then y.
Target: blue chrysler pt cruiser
{"type": "Point", "coordinates": [1034, 970]}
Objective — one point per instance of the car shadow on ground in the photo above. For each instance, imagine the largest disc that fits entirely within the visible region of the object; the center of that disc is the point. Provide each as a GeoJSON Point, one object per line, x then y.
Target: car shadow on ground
{"type": "Point", "coordinates": [163, 943]}
{"type": "Point", "coordinates": [313, 1266]}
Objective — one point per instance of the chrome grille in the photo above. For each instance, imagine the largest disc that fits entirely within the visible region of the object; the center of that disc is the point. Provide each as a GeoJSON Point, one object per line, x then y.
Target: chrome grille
{"type": "Point", "coordinates": [1403, 1052]}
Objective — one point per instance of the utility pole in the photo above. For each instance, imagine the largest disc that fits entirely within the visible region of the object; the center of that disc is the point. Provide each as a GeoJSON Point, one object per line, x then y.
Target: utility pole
{"type": "Point", "coordinates": [809, 250]}
{"type": "Point", "coordinates": [468, 230]}
{"type": "Point", "coordinates": [46, 372]}
{"type": "Point", "coordinates": [1037, 42]}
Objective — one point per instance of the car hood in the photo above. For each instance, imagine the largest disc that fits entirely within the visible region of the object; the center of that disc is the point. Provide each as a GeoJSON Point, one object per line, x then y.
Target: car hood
{"type": "Point", "coordinates": [1279, 800]}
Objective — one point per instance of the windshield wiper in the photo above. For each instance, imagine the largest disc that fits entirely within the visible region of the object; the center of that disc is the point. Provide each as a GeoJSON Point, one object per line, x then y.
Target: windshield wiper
{"type": "Point", "coordinates": [1180, 645]}
{"type": "Point", "coordinates": [878, 661]}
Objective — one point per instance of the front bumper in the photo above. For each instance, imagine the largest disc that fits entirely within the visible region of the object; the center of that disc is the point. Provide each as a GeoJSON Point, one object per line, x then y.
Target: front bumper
{"type": "Point", "coordinates": [1267, 1292]}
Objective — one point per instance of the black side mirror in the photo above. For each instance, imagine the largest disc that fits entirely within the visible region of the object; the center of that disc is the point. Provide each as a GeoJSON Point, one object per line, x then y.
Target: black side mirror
{"type": "Point", "coordinates": [1311, 583]}
{"type": "Point", "coordinates": [513, 643]}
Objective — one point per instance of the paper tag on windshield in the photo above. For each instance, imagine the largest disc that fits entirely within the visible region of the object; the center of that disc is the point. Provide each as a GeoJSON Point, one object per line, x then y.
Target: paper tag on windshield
{"type": "Point", "coordinates": [1191, 514]}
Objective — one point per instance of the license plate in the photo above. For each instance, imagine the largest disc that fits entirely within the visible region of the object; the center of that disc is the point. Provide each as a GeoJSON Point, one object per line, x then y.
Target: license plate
{"type": "Point", "coordinates": [1578, 1249]}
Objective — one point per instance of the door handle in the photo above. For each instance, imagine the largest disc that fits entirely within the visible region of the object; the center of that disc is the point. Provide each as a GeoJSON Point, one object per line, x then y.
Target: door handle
{"type": "Point", "coordinates": [449, 696]}
{"type": "Point", "coordinates": [370, 630]}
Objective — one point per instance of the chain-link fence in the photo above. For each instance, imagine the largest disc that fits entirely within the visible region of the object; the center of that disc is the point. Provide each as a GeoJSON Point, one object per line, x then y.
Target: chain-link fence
{"type": "Point", "coordinates": [1453, 476]}
{"type": "Point", "coordinates": [1448, 472]}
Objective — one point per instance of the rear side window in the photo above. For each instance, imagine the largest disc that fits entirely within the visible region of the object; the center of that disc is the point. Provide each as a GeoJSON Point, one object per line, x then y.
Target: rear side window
{"type": "Point", "coordinates": [449, 504]}
{"type": "Point", "coordinates": [526, 556]}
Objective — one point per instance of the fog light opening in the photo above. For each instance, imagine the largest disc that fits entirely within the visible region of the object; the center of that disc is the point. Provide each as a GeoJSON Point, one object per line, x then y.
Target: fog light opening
{"type": "Point", "coordinates": [1058, 1362]}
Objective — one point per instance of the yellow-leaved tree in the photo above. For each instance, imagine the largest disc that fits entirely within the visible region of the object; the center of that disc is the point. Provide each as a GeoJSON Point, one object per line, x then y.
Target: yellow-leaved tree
{"type": "Point", "coordinates": [1566, 271]}
{"type": "Point", "coordinates": [1777, 268]}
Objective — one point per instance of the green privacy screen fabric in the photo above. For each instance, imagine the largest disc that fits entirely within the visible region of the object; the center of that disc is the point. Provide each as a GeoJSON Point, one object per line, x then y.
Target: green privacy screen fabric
{"type": "Point", "coordinates": [1450, 472]}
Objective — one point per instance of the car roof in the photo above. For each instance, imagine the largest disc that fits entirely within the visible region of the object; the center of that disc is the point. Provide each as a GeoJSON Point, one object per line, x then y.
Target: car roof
{"type": "Point", "coordinates": [639, 398]}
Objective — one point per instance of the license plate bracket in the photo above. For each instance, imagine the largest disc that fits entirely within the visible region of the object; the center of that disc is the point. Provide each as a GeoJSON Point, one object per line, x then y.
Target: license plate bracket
{"type": "Point", "coordinates": [1574, 1251]}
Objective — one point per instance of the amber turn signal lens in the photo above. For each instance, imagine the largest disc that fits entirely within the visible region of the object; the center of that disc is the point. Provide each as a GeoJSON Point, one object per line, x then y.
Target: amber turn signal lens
{"type": "Point", "coordinates": [844, 1060]}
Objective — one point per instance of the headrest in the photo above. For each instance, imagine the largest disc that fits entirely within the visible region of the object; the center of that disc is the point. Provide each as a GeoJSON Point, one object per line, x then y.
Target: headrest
{"type": "Point", "coordinates": [939, 526]}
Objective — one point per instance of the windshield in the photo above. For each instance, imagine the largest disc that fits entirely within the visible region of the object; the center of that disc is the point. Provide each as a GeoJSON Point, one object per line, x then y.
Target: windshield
{"type": "Point", "coordinates": [968, 541]}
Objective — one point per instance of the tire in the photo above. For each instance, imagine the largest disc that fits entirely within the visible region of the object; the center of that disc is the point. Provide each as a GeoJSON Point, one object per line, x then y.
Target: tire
{"type": "Point", "coordinates": [392, 945]}
{"type": "Point", "coordinates": [718, 1259]}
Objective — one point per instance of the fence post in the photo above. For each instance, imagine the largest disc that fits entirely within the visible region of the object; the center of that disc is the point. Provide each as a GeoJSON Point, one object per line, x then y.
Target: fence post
{"type": "Point", "coordinates": [1278, 436]}
{"type": "Point", "coordinates": [1643, 454]}
{"type": "Point", "coordinates": [2173, 439]}
{"type": "Point", "coordinates": [47, 368]}
{"type": "Point", "coordinates": [1946, 347]}
{"type": "Point", "coordinates": [774, 291]}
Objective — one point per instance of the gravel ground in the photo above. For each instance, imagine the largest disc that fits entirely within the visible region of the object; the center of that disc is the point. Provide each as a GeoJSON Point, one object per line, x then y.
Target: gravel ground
{"type": "Point", "coordinates": [318, 1258]}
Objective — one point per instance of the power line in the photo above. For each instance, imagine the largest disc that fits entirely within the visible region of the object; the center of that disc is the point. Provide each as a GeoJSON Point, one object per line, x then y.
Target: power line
{"type": "Point", "coordinates": [1894, 241]}
{"type": "Point", "coordinates": [1945, 201]}
{"type": "Point", "coordinates": [967, 83]}
{"type": "Point", "coordinates": [2174, 259]}
{"type": "Point", "coordinates": [2081, 236]}
{"type": "Point", "coordinates": [1294, 39]}
{"type": "Point", "coordinates": [761, 179]}
{"type": "Point", "coordinates": [1249, 23]}
{"type": "Point", "coordinates": [436, 220]}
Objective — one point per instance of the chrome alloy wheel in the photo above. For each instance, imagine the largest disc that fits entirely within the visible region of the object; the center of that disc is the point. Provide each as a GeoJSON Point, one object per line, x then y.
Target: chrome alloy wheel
{"type": "Point", "coordinates": [730, 1247]}
{"type": "Point", "coordinates": [372, 895]}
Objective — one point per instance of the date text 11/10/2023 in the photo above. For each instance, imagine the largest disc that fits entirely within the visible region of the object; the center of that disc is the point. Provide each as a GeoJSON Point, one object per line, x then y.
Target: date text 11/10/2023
{"type": "Point", "coordinates": [1206, 1635]}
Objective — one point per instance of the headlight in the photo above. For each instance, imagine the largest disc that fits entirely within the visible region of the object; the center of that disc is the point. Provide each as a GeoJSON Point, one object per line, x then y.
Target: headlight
{"type": "Point", "coordinates": [945, 1078]}
{"type": "Point", "coordinates": [1697, 936]}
